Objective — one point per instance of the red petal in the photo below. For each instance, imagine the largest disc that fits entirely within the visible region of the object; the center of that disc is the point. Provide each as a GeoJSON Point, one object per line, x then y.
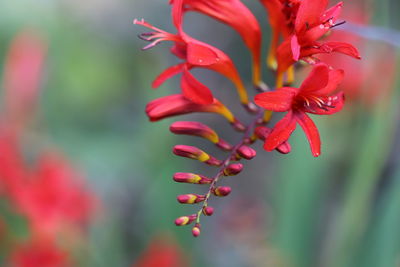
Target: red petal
{"type": "Point", "coordinates": [343, 48]}
{"type": "Point", "coordinates": [236, 15]}
{"type": "Point", "coordinates": [166, 74]}
{"type": "Point", "coordinates": [333, 12]}
{"type": "Point", "coordinates": [309, 13]}
{"type": "Point", "coordinates": [317, 79]}
{"type": "Point", "coordinates": [281, 132]}
{"type": "Point", "coordinates": [279, 100]}
{"type": "Point", "coordinates": [295, 47]}
{"type": "Point", "coordinates": [201, 55]}
{"type": "Point", "coordinates": [330, 47]}
{"type": "Point", "coordinates": [313, 34]}
{"type": "Point", "coordinates": [179, 50]}
{"type": "Point", "coordinates": [177, 14]}
{"type": "Point", "coordinates": [195, 90]}
{"type": "Point", "coordinates": [335, 78]}
{"type": "Point", "coordinates": [284, 56]}
{"type": "Point", "coordinates": [311, 132]}
{"type": "Point", "coordinates": [275, 14]}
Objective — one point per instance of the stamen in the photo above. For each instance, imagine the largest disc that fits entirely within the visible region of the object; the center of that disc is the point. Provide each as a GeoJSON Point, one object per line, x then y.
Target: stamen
{"type": "Point", "coordinates": [329, 106]}
{"type": "Point", "coordinates": [338, 24]}
{"type": "Point", "coordinates": [329, 21]}
{"type": "Point", "coordinates": [311, 102]}
{"type": "Point", "coordinates": [143, 36]}
{"type": "Point", "coordinates": [156, 36]}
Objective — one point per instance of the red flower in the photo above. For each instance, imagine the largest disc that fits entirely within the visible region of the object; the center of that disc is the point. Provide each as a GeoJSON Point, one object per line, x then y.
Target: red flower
{"type": "Point", "coordinates": [39, 252]}
{"type": "Point", "coordinates": [281, 15]}
{"type": "Point", "coordinates": [311, 23]}
{"type": "Point", "coordinates": [195, 54]}
{"type": "Point", "coordinates": [22, 75]}
{"type": "Point", "coordinates": [235, 14]}
{"type": "Point", "coordinates": [53, 196]}
{"type": "Point", "coordinates": [174, 105]}
{"type": "Point", "coordinates": [315, 96]}
{"type": "Point", "coordinates": [161, 252]}
{"type": "Point", "coordinates": [363, 81]}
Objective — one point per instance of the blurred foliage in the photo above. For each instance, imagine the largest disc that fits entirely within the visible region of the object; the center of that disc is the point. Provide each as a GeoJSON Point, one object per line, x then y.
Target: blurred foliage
{"type": "Point", "coordinates": [340, 210]}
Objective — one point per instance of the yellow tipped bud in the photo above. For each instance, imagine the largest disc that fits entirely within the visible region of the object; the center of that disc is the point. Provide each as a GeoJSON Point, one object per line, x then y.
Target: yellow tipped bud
{"type": "Point", "coordinates": [190, 198]}
{"type": "Point", "coordinates": [185, 220]}
{"type": "Point", "coordinates": [191, 178]}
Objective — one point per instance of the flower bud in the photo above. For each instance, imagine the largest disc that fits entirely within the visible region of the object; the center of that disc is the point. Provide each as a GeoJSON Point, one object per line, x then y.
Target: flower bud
{"type": "Point", "coordinates": [190, 198]}
{"type": "Point", "coordinates": [196, 230]}
{"type": "Point", "coordinates": [194, 128]}
{"type": "Point", "coordinates": [233, 169]}
{"type": "Point", "coordinates": [262, 132]}
{"type": "Point", "coordinates": [195, 153]}
{"type": "Point", "coordinates": [191, 178]}
{"type": "Point", "coordinates": [222, 191]}
{"type": "Point", "coordinates": [284, 148]}
{"type": "Point", "coordinates": [173, 105]}
{"type": "Point", "coordinates": [191, 152]}
{"type": "Point", "coordinates": [208, 211]}
{"type": "Point", "coordinates": [185, 220]}
{"type": "Point", "coordinates": [246, 152]}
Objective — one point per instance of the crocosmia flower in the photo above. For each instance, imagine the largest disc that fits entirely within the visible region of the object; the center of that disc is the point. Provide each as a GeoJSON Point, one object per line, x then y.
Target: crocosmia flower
{"type": "Point", "coordinates": [236, 15]}
{"type": "Point", "coordinates": [315, 95]}
{"type": "Point", "coordinates": [297, 27]}
{"type": "Point", "coordinates": [53, 196]}
{"type": "Point", "coordinates": [39, 252]}
{"type": "Point", "coordinates": [195, 54]}
{"type": "Point", "coordinates": [311, 23]}
{"type": "Point", "coordinates": [281, 16]}
{"type": "Point", "coordinates": [161, 252]}
{"type": "Point", "coordinates": [174, 105]}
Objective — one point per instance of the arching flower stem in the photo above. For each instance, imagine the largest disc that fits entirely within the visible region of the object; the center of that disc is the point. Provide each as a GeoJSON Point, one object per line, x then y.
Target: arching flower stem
{"type": "Point", "coordinates": [248, 133]}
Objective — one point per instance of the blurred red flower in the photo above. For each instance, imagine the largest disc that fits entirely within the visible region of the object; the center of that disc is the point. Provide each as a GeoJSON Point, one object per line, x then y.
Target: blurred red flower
{"type": "Point", "coordinates": [162, 252]}
{"type": "Point", "coordinates": [39, 253]}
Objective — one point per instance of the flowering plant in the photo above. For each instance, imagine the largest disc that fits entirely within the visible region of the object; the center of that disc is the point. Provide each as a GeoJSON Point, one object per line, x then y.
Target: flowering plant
{"type": "Point", "coordinates": [297, 30]}
{"type": "Point", "coordinates": [48, 192]}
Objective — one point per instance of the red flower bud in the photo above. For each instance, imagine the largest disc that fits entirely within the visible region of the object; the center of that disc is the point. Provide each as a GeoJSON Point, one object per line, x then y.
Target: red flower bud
{"type": "Point", "coordinates": [191, 152]}
{"type": "Point", "coordinates": [191, 178]}
{"type": "Point", "coordinates": [194, 128]}
{"type": "Point", "coordinates": [246, 152]}
{"type": "Point", "coordinates": [185, 220]}
{"type": "Point", "coordinates": [222, 191]}
{"type": "Point", "coordinates": [190, 198]}
{"type": "Point", "coordinates": [262, 132]}
{"type": "Point", "coordinates": [195, 153]}
{"type": "Point", "coordinates": [284, 148]}
{"type": "Point", "coordinates": [208, 211]}
{"type": "Point", "coordinates": [233, 169]}
{"type": "Point", "coordinates": [196, 230]}
{"type": "Point", "coordinates": [174, 105]}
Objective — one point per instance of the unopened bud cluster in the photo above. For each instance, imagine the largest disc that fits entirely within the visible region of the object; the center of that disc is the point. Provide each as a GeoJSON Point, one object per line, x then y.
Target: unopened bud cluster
{"type": "Point", "coordinates": [225, 168]}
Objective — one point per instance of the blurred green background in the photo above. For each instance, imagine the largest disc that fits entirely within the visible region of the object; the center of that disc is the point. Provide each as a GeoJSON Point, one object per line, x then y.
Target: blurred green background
{"type": "Point", "coordinates": [342, 209]}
